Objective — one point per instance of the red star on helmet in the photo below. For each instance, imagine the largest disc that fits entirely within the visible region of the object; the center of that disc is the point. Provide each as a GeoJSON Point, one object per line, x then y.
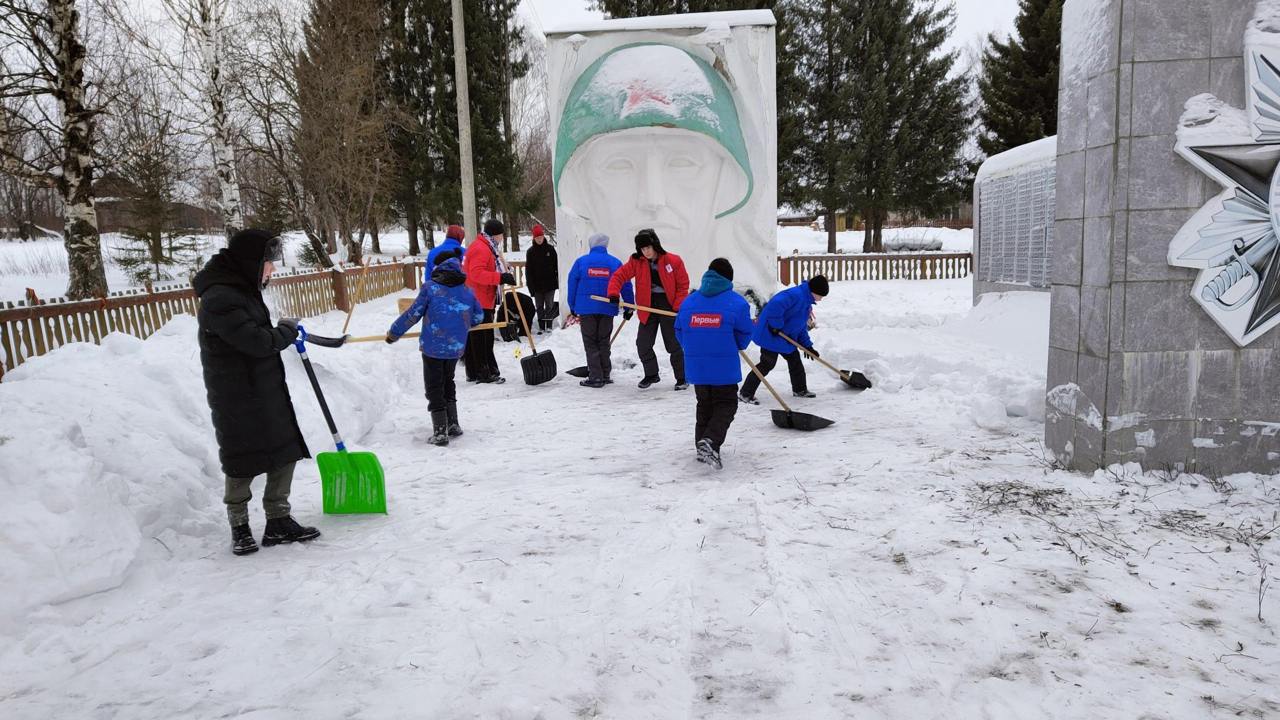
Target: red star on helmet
{"type": "Point", "coordinates": [639, 93]}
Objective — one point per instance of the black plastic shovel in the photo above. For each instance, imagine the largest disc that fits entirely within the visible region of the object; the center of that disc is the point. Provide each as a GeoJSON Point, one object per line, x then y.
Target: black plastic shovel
{"type": "Point", "coordinates": [539, 367]}
{"type": "Point", "coordinates": [852, 378]}
{"type": "Point", "coordinates": [787, 418]}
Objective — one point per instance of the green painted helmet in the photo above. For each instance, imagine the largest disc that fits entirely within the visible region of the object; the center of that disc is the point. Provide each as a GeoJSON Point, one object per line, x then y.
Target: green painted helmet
{"type": "Point", "coordinates": [651, 85]}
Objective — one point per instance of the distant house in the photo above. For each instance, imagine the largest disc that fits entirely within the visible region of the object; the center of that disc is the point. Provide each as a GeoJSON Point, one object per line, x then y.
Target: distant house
{"type": "Point", "coordinates": [114, 209]}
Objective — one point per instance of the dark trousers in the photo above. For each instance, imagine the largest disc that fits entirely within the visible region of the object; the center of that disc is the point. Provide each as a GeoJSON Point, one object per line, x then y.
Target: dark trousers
{"type": "Point", "coordinates": [477, 356]}
{"type": "Point", "coordinates": [647, 335]}
{"type": "Point", "coordinates": [546, 304]}
{"type": "Point", "coordinates": [275, 497]}
{"type": "Point", "coordinates": [437, 376]}
{"type": "Point", "coordinates": [768, 359]}
{"type": "Point", "coordinates": [717, 404]}
{"type": "Point", "coordinates": [596, 330]}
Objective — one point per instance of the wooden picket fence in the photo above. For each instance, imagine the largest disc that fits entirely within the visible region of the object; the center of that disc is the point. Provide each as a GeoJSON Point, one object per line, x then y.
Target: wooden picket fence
{"type": "Point", "coordinates": [917, 266]}
{"type": "Point", "coordinates": [32, 328]}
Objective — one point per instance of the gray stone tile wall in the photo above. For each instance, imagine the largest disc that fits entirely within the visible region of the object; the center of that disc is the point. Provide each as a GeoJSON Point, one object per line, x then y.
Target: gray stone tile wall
{"type": "Point", "coordinates": [1173, 389]}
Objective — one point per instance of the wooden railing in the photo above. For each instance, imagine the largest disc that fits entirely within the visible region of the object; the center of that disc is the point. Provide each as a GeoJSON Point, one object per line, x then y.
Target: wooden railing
{"type": "Point", "coordinates": [34, 327]}
{"type": "Point", "coordinates": [31, 330]}
{"type": "Point", "coordinates": [918, 266]}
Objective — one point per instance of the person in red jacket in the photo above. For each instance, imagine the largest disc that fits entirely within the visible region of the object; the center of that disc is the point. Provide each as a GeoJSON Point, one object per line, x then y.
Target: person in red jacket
{"type": "Point", "coordinates": [485, 271]}
{"type": "Point", "coordinates": [662, 284]}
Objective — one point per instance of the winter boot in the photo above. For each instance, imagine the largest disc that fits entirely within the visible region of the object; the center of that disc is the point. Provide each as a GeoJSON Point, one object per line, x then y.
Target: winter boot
{"type": "Point", "coordinates": [439, 427]}
{"type": "Point", "coordinates": [592, 383]}
{"type": "Point", "coordinates": [647, 381]}
{"type": "Point", "coordinates": [682, 385]}
{"type": "Point", "coordinates": [748, 399]}
{"type": "Point", "coordinates": [451, 411]}
{"type": "Point", "coordinates": [242, 542]}
{"type": "Point", "coordinates": [803, 394]}
{"type": "Point", "coordinates": [708, 454]}
{"type": "Point", "coordinates": [286, 530]}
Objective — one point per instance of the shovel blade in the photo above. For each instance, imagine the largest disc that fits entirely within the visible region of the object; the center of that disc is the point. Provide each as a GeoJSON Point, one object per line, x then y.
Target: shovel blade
{"type": "Point", "coordinates": [856, 380]}
{"type": "Point", "coordinates": [799, 421]}
{"type": "Point", "coordinates": [538, 368]}
{"type": "Point", "coordinates": [352, 483]}
{"type": "Point", "coordinates": [581, 372]}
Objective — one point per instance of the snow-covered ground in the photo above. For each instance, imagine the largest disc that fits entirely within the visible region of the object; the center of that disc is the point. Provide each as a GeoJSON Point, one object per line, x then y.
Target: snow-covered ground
{"type": "Point", "coordinates": [42, 265]}
{"type": "Point", "coordinates": [568, 558]}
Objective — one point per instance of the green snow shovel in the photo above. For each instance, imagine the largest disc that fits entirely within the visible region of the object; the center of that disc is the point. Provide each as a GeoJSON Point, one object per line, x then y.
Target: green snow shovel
{"type": "Point", "coordinates": [352, 482]}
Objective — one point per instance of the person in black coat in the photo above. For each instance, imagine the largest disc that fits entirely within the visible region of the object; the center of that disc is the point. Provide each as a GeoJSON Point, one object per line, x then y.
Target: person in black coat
{"type": "Point", "coordinates": [253, 419]}
{"type": "Point", "coordinates": [542, 275]}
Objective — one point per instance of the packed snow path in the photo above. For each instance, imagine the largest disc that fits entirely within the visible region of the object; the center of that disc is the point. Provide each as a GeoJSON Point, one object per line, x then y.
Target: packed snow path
{"type": "Point", "coordinates": [568, 558]}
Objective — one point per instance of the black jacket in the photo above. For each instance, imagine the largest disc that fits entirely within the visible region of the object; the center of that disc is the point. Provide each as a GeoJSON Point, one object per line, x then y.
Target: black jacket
{"type": "Point", "coordinates": [541, 270]}
{"type": "Point", "coordinates": [253, 416]}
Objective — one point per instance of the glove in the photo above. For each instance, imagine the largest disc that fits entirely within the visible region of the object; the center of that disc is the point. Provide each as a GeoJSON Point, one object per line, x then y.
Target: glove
{"type": "Point", "coordinates": [812, 352]}
{"type": "Point", "coordinates": [626, 314]}
{"type": "Point", "coordinates": [775, 331]}
{"type": "Point", "coordinates": [289, 327]}
{"type": "Point", "coordinates": [508, 279]}
{"type": "Point", "coordinates": [391, 338]}
{"type": "Point", "coordinates": [615, 299]}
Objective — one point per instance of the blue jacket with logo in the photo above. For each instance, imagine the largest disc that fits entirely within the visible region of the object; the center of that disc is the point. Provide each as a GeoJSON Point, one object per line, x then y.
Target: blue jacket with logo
{"type": "Point", "coordinates": [450, 308]}
{"type": "Point", "coordinates": [446, 246]}
{"type": "Point", "coordinates": [590, 276]}
{"type": "Point", "coordinates": [714, 323]}
{"type": "Point", "coordinates": [788, 311]}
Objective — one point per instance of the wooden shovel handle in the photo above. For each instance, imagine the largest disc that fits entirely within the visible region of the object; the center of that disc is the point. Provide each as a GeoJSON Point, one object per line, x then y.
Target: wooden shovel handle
{"type": "Point", "coordinates": [633, 306]}
{"type": "Point", "coordinates": [843, 375]}
{"type": "Point", "coordinates": [414, 334]}
{"type": "Point", "coordinates": [756, 370]}
{"type": "Point", "coordinates": [353, 301]}
{"type": "Point", "coordinates": [523, 321]}
{"type": "Point", "coordinates": [618, 332]}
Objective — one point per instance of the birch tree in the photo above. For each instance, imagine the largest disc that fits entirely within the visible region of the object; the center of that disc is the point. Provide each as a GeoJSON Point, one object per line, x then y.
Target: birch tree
{"type": "Point", "coordinates": [203, 24]}
{"type": "Point", "coordinates": [43, 95]}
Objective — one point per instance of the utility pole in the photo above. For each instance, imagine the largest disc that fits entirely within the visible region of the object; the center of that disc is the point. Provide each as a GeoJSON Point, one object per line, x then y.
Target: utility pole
{"type": "Point", "coordinates": [469, 219]}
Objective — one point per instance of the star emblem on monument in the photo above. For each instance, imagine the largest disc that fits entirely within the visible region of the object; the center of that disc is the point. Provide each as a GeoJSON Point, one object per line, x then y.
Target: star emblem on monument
{"type": "Point", "coordinates": [1234, 240]}
{"type": "Point", "coordinates": [640, 94]}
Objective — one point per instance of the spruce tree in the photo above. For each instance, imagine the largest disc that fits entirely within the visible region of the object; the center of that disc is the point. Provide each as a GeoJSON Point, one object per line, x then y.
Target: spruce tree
{"type": "Point", "coordinates": [815, 126]}
{"type": "Point", "coordinates": [1019, 80]}
{"type": "Point", "coordinates": [417, 62]}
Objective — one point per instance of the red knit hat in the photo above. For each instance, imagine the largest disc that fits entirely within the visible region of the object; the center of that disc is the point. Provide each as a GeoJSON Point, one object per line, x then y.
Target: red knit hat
{"type": "Point", "coordinates": [537, 230]}
{"type": "Point", "coordinates": [457, 232]}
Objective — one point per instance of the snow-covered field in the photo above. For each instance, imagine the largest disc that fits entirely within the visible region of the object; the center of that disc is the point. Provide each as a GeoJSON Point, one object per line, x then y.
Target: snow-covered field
{"type": "Point", "coordinates": [42, 265]}
{"type": "Point", "coordinates": [567, 557]}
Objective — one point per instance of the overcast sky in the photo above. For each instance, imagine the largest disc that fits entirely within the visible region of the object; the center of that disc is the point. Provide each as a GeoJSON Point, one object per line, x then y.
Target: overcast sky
{"type": "Point", "coordinates": [974, 18]}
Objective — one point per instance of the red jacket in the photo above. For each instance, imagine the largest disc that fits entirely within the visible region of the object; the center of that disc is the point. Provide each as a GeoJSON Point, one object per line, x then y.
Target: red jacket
{"type": "Point", "coordinates": [481, 268]}
{"type": "Point", "coordinates": [675, 280]}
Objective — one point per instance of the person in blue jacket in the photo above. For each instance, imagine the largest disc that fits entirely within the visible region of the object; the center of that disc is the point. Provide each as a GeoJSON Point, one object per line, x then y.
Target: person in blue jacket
{"type": "Point", "coordinates": [453, 238]}
{"type": "Point", "coordinates": [590, 276]}
{"type": "Point", "coordinates": [786, 313]}
{"type": "Point", "coordinates": [451, 310]}
{"type": "Point", "coordinates": [714, 323]}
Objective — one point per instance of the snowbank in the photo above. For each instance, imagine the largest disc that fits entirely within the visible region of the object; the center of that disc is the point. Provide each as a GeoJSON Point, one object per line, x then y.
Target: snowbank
{"type": "Point", "coordinates": [668, 22]}
{"type": "Point", "coordinates": [107, 452]}
{"type": "Point", "coordinates": [1032, 155]}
